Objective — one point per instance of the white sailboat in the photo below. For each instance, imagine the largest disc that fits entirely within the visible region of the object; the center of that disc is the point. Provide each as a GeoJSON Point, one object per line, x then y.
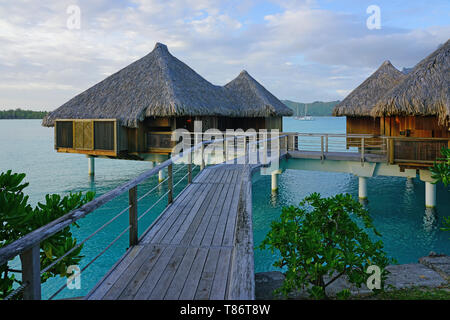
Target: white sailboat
{"type": "Point", "coordinates": [306, 117]}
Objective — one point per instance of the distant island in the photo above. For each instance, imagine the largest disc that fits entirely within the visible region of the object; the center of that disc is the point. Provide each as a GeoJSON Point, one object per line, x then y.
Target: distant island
{"type": "Point", "coordinates": [22, 114]}
{"type": "Point", "coordinates": [317, 108]}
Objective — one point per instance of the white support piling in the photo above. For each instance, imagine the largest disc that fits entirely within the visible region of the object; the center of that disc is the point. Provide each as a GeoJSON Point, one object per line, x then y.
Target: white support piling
{"type": "Point", "coordinates": [362, 190]}
{"type": "Point", "coordinates": [430, 195]}
{"type": "Point", "coordinates": [91, 165]}
{"type": "Point", "coordinates": [275, 181]}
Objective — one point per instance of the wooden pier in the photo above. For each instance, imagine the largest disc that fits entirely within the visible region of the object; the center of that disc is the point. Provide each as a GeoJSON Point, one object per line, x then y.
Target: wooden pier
{"type": "Point", "coordinates": [190, 251]}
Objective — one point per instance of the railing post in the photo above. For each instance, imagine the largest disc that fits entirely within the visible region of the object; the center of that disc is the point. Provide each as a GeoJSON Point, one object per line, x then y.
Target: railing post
{"type": "Point", "coordinates": [362, 150]}
{"type": "Point", "coordinates": [133, 216]}
{"type": "Point", "coordinates": [31, 273]}
{"type": "Point", "coordinates": [391, 151]}
{"type": "Point", "coordinates": [202, 164]}
{"type": "Point", "coordinates": [326, 143]}
{"type": "Point", "coordinates": [245, 149]}
{"type": "Point", "coordinates": [189, 167]}
{"type": "Point", "coordinates": [170, 183]}
{"type": "Point", "coordinates": [322, 157]}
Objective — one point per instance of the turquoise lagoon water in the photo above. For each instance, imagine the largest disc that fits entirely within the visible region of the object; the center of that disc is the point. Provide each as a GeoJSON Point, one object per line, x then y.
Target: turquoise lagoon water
{"type": "Point", "coordinates": [396, 206]}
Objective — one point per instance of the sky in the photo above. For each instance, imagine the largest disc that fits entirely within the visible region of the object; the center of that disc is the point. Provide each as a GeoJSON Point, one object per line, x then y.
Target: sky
{"type": "Point", "coordinates": [301, 50]}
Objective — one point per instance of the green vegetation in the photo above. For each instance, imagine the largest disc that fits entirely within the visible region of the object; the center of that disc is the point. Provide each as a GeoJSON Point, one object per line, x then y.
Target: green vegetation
{"type": "Point", "coordinates": [316, 109]}
{"type": "Point", "coordinates": [18, 218]}
{"type": "Point", "coordinates": [319, 242]}
{"type": "Point", "coordinates": [441, 173]}
{"type": "Point", "coordinates": [413, 294]}
{"type": "Point", "coordinates": [22, 114]}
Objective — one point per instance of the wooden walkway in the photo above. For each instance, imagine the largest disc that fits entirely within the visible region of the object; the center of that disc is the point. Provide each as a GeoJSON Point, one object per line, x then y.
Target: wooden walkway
{"type": "Point", "coordinates": [195, 248]}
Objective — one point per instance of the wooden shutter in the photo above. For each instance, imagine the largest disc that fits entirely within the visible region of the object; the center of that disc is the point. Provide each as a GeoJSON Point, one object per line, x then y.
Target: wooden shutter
{"type": "Point", "coordinates": [83, 135]}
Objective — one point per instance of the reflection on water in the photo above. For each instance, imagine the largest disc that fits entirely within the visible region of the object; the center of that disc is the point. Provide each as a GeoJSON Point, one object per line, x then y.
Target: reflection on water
{"type": "Point", "coordinates": [396, 205]}
{"type": "Point", "coordinates": [364, 203]}
{"type": "Point", "coordinates": [430, 220]}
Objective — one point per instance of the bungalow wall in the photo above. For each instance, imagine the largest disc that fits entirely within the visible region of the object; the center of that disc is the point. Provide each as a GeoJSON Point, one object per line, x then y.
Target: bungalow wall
{"type": "Point", "coordinates": [105, 137]}
{"type": "Point", "coordinates": [363, 125]}
{"type": "Point", "coordinates": [411, 126]}
{"type": "Point", "coordinates": [419, 140]}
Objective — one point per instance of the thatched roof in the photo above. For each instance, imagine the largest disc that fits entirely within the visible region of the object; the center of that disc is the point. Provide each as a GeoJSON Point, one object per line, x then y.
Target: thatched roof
{"type": "Point", "coordinates": [362, 100]}
{"type": "Point", "coordinates": [424, 92]}
{"type": "Point", "coordinates": [255, 99]}
{"type": "Point", "coordinates": [158, 85]}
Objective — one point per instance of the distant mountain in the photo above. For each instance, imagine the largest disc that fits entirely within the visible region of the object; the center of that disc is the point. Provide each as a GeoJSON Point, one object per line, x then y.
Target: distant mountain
{"type": "Point", "coordinates": [317, 108]}
{"type": "Point", "coordinates": [407, 70]}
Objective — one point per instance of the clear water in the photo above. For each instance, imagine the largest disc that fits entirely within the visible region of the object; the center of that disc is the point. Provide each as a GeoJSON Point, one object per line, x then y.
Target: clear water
{"type": "Point", "coordinates": [396, 207]}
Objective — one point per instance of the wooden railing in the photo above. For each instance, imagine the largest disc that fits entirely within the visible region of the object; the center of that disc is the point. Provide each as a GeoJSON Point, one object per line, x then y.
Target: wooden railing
{"type": "Point", "coordinates": [28, 247]}
{"type": "Point", "coordinates": [411, 150]}
{"type": "Point", "coordinates": [395, 150]}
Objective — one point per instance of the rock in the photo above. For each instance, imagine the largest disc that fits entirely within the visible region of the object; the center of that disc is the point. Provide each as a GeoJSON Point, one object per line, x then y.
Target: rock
{"type": "Point", "coordinates": [413, 275]}
{"type": "Point", "coordinates": [432, 272]}
{"type": "Point", "coordinates": [439, 263]}
{"type": "Point", "coordinates": [266, 283]}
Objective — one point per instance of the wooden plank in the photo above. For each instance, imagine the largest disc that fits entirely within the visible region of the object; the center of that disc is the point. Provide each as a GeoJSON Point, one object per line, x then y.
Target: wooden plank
{"type": "Point", "coordinates": [140, 275]}
{"type": "Point", "coordinates": [152, 278]}
{"type": "Point", "coordinates": [115, 272]}
{"type": "Point", "coordinates": [242, 275]}
{"type": "Point", "coordinates": [200, 223]}
{"type": "Point", "coordinates": [209, 225]}
{"type": "Point", "coordinates": [156, 225]}
{"type": "Point", "coordinates": [191, 222]}
{"type": "Point", "coordinates": [169, 271]}
{"type": "Point", "coordinates": [228, 236]}
{"type": "Point", "coordinates": [192, 280]}
{"type": "Point", "coordinates": [149, 253]}
{"type": "Point", "coordinates": [227, 213]}
{"type": "Point", "coordinates": [181, 275]}
{"type": "Point", "coordinates": [167, 222]}
{"type": "Point", "coordinates": [212, 209]}
{"type": "Point", "coordinates": [204, 287]}
{"type": "Point", "coordinates": [219, 286]}
{"type": "Point", "coordinates": [187, 214]}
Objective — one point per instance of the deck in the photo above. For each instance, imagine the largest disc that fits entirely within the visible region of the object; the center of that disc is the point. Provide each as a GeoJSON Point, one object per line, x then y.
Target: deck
{"type": "Point", "coordinates": [193, 250]}
{"type": "Point", "coordinates": [338, 156]}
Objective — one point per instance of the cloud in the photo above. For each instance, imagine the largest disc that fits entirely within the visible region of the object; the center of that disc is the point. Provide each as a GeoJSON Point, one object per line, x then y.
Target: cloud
{"type": "Point", "coordinates": [300, 52]}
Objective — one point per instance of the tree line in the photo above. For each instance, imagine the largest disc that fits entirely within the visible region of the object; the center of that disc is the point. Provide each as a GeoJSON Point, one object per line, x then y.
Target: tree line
{"type": "Point", "coordinates": [22, 114]}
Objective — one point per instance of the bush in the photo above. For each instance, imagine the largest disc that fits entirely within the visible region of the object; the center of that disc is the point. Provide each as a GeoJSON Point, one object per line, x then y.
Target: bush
{"type": "Point", "coordinates": [18, 218]}
{"type": "Point", "coordinates": [441, 173]}
{"type": "Point", "coordinates": [319, 243]}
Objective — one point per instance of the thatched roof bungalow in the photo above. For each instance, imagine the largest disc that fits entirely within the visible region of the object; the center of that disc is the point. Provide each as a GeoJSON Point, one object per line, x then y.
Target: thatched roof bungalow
{"type": "Point", "coordinates": [134, 110]}
{"type": "Point", "coordinates": [419, 107]}
{"type": "Point", "coordinates": [357, 106]}
{"type": "Point", "coordinates": [425, 91]}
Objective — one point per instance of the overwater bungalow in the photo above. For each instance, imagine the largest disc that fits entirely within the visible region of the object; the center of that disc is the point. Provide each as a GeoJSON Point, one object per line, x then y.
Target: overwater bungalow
{"type": "Point", "coordinates": [416, 112]}
{"type": "Point", "coordinates": [132, 113]}
{"type": "Point", "coordinates": [357, 106]}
